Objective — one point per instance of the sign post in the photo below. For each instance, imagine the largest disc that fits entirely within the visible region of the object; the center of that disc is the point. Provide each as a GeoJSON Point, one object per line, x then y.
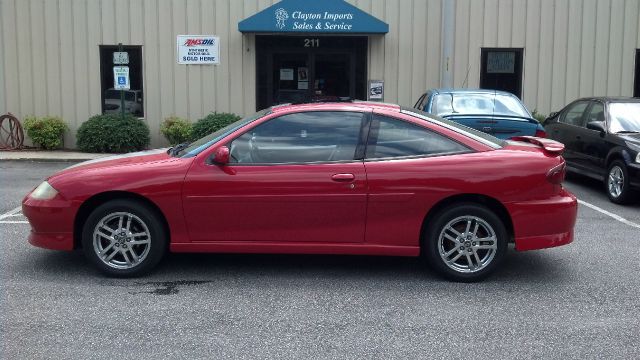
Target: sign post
{"type": "Point", "coordinates": [121, 79]}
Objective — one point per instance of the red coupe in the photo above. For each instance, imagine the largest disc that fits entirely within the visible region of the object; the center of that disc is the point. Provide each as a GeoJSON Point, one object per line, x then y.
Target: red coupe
{"type": "Point", "coordinates": [333, 178]}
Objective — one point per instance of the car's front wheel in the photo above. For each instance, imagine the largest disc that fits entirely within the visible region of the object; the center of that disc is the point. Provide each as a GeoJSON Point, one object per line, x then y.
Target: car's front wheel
{"type": "Point", "coordinates": [124, 238]}
{"type": "Point", "coordinates": [617, 183]}
{"type": "Point", "coordinates": [465, 242]}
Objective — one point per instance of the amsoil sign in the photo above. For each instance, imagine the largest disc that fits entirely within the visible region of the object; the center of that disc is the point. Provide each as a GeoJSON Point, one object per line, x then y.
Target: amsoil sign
{"type": "Point", "coordinates": [198, 49]}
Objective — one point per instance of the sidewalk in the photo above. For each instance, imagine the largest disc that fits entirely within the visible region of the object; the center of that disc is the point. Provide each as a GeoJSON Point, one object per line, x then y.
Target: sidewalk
{"type": "Point", "coordinates": [41, 155]}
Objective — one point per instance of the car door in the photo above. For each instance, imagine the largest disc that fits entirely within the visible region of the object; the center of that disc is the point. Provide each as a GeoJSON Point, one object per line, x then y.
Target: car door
{"type": "Point", "coordinates": [293, 178]}
{"type": "Point", "coordinates": [565, 130]}
{"type": "Point", "coordinates": [404, 165]}
{"type": "Point", "coordinates": [591, 147]}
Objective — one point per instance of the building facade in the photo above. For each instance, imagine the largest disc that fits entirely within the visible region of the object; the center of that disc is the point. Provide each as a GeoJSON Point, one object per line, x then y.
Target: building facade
{"type": "Point", "coordinates": [57, 55]}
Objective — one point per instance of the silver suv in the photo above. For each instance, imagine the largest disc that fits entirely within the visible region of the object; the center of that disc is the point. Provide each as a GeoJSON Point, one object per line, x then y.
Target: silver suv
{"type": "Point", "coordinates": [132, 101]}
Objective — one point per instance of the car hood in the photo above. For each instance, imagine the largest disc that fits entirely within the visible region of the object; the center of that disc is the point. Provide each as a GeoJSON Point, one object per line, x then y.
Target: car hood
{"type": "Point", "coordinates": [116, 101]}
{"type": "Point", "coordinates": [632, 138]}
{"type": "Point", "coordinates": [129, 159]}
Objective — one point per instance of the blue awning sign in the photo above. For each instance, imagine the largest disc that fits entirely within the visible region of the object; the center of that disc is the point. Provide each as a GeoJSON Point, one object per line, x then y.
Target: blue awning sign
{"type": "Point", "coordinates": [304, 16]}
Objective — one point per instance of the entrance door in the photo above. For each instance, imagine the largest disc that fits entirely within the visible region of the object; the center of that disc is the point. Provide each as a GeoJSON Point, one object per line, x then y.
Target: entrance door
{"type": "Point", "coordinates": [294, 69]}
{"type": "Point", "coordinates": [290, 78]}
{"type": "Point", "coordinates": [502, 70]}
{"type": "Point", "coordinates": [311, 77]}
{"type": "Point", "coordinates": [333, 76]}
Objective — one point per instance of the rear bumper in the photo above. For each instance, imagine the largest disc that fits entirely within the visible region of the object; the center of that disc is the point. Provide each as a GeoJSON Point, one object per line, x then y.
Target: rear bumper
{"type": "Point", "coordinates": [545, 223]}
{"type": "Point", "coordinates": [51, 223]}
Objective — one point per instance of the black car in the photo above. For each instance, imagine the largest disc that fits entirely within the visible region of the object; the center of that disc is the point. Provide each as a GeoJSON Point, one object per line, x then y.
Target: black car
{"type": "Point", "coordinates": [602, 140]}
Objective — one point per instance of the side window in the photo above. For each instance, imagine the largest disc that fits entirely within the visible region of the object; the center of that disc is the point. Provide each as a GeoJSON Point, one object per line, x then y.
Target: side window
{"type": "Point", "coordinates": [391, 137]}
{"type": "Point", "coordinates": [573, 115]}
{"type": "Point", "coordinates": [596, 113]}
{"type": "Point", "coordinates": [300, 138]}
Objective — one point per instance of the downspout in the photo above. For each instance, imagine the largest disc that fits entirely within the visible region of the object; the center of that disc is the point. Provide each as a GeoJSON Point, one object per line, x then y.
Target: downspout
{"type": "Point", "coordinates": [447, 42]}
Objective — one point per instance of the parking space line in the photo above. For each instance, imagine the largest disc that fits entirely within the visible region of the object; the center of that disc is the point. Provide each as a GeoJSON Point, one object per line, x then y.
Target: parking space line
{"type": "Point", "coordinates": [14, 222]}
{"type": "Point", "coordinates": [10, 213]}
{"type": "Point", "coordinates": [612, 215]}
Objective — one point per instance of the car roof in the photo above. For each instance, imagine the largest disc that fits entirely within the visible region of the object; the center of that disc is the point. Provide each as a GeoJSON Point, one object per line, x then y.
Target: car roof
{"type": "Point", "coordinates": [470, 91]}
{"type": "Point", "coordinates": [348, 105]}
{"type": "Point", "coordinates": [610, 99]}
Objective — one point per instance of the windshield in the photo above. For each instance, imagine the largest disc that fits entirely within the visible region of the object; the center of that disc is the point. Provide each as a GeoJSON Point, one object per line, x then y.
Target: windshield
{"type": "Point", "coordinates": [478, 104]}
{"type": "Point", "coordinates": [624, 117]}
{"type": "Point", "coordinates": [197, 146]}
{"type": "Point", "coordinates": [115, 94]}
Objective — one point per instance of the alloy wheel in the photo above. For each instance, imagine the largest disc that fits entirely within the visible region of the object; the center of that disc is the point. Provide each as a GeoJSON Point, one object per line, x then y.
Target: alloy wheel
{"type": "Point", "coordinates": [467, 244]}
{"type": "Point", "coordinates": [121, 240]}
{"type": "Point", "coordinates": [615, 181]}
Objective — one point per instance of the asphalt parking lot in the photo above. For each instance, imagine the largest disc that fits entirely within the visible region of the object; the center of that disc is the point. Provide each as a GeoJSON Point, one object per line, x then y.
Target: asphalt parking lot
{"type": "Point", "coordinates": [578, 301]}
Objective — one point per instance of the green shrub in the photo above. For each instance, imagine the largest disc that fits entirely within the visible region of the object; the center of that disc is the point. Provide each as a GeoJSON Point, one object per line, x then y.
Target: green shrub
{"type": "Point", "coordinates": [212, 122]}
{"type": "Point", "coordinates": [46, 131]}
{"type": "Point", "coordinates": [112, 134]}
{"type": "Point", "coordinates": [176, 130]}
{"type": "Point", "coordinates": [540, 117]}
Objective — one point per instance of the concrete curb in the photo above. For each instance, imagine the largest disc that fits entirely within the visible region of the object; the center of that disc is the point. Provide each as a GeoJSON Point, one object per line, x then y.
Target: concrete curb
{"type": "Point", "coordinates": [49, 156]}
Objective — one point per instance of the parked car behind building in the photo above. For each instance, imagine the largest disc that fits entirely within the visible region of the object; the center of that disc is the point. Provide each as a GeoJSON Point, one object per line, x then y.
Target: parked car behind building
{"type": "Point", "coordinates": [132, 101]}
{"type": "Point", "coordinates": [498, 113]}
{"type": "Point", "coordinates": [602, 141]}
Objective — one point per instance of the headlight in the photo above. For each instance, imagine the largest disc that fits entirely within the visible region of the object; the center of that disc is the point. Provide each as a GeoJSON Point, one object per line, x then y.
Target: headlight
{"type": "Point", "coordinates": [44, 191]}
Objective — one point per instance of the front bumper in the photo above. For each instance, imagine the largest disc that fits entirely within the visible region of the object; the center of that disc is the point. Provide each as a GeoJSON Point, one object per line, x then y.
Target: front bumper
{"type": "Point", "coordinates": [51, 222]}
{"type": "Point", "coordinates": [545, 223]}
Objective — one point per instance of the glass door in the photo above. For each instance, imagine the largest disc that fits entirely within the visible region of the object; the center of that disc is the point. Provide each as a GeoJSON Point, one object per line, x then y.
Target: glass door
{"type": "Point", "coordinates": [290, 76]}
{"type": "Point", "coordinates": [333, 76]}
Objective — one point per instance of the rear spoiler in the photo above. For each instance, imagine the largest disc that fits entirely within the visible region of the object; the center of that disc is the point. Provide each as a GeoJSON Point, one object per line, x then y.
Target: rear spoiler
{"type": "Point", "coordinates": [549, 146]}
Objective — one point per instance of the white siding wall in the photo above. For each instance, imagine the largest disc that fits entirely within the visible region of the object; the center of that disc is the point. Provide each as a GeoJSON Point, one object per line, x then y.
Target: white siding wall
{"type": "Point", "coordinates": [50, 58]}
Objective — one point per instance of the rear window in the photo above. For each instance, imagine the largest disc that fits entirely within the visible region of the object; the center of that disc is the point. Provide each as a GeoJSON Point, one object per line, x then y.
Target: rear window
{"type": "Point", "coordinates": [478, 104]}
{"type": "Point", "coordinates": [479, 136]}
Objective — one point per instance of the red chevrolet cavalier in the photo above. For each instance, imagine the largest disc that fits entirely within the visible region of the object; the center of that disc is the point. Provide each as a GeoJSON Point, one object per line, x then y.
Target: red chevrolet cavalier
{"type": "Point", "coordinates": [333, 178]}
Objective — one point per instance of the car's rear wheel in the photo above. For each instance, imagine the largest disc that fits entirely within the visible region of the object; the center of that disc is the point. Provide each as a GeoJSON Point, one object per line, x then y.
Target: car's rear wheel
{"type": "Point", "coordinates": [617, 183]}
{"type": "Point", "coordinates": [124, 238]}
{"type": "Point", "coordinates": [465, 242]}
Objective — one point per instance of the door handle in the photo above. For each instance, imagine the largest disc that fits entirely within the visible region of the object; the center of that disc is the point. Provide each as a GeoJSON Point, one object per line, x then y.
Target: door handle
{"type": "Point", "coordinates": [343, 177]}
{"type": "Point", "coordinates": [578, 137]}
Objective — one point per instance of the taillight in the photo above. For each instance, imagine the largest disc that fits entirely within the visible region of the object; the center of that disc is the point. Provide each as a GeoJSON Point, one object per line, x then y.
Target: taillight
{"type": "Point", "coordinates": [556, 174]}
{"type": "Point", "coordinates": [540, 133]}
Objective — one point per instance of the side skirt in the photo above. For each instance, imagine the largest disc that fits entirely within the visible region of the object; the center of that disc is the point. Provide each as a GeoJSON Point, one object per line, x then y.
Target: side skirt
{"type": "Point", "coordinates": [295, 248]}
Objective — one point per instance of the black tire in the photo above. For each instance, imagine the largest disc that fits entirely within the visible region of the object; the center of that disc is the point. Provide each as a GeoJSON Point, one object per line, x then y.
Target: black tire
{"type": "Point", "coordinates": [149, 253]}
{"type": "Point", "coordinates": [627, 194]}
{"type": "Point", "coordinates": [489, 224]}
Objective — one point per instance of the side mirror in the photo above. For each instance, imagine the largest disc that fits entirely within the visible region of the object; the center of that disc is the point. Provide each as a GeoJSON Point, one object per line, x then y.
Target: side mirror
{"type": "Point", "coordinates": [596, 125]}
{"type": "Point", "coordinates": [552, 114]}
{"type": "Point", "coordinates": [221, 156]}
